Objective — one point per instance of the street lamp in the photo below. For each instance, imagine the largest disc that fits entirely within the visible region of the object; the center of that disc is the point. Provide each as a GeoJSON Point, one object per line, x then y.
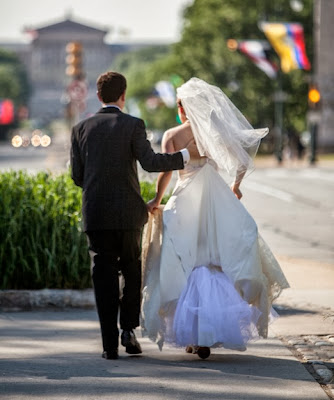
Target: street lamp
{"type": "Point", "coordinates": [313, 97]}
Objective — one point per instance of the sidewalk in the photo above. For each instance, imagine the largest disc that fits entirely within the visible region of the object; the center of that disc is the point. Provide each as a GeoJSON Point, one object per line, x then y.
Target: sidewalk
{"type": "Point", "coordinates": [306, 325]}
{"type": "Point", "coordinates": [56, 355]}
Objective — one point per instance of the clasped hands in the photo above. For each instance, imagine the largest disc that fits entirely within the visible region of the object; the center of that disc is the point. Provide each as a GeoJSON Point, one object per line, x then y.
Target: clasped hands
{"type": "Point", "coordinates": [152, 205]}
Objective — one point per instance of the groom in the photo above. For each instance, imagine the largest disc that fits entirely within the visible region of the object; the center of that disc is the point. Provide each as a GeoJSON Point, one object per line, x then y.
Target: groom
{"type": "Point", "coordinates": [104, 153]}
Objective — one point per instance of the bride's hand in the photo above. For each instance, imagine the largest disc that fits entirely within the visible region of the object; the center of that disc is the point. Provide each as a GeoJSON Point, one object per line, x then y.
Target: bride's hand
{"type": "Point", "coordinates": [236, 191]}
{"type": "Point", "coordinates": [152, 205]}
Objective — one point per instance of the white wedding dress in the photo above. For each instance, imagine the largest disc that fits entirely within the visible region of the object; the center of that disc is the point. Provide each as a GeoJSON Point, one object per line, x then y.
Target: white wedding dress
{"type": "Point", "coordinates": [209, 279]}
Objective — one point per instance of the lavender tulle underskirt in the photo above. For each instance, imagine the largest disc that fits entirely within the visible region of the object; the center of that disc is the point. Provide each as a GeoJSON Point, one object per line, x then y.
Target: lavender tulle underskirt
{"type": "Point", "coordinates": [210, 312]}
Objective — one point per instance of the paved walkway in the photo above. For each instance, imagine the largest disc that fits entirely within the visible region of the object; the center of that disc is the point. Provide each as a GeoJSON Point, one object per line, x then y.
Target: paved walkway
{"type": "Point", "coordinates": [56, 355]}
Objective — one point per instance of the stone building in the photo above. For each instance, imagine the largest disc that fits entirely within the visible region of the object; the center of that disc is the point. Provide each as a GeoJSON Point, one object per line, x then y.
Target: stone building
{"type": "Point", "coordinates": [324, 71]}
{"type": "Point", "coordinates": [46, 64]}
{"type": "Point", "coordinates": [45, 60]}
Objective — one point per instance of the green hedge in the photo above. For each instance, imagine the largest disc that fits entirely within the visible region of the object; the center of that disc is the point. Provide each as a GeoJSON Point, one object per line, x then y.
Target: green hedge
{"type": "Point", "coordinates": [41, 241]}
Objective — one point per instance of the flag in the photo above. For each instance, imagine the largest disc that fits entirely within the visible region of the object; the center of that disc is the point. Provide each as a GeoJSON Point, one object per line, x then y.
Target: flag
{"type": "Point", "coordinates": [166, 93]}
{"type": "Point", "coordinates": [256, 50]}
{"type": "Point", "coordinates": [287, 40]}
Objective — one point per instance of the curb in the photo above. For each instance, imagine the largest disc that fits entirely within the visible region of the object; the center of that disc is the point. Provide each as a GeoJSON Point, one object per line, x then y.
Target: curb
{"type": "Point", "coordinates": [316, 353]}
{"type": "Point", "coordinates": [27, 300]}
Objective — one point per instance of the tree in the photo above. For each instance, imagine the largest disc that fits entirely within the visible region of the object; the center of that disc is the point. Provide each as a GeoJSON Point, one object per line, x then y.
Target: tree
{"type": "Point", "coordinates": [143, 68]}
{"type": "Point", "coordinates": [13, 78]}
{"type": "Point", "coordinates": [202, 52]}
{"type": "Point", "coordinates": [13, 83]}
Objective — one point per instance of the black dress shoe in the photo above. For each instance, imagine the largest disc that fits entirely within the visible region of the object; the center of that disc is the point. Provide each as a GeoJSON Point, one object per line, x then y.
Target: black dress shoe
{"type": "Point", "coordinates": [110, 355]}
{"type": "Point", "coordinates": [129, 341]}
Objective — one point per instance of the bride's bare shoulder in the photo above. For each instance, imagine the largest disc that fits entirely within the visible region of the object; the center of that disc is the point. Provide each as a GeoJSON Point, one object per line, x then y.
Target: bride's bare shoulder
{"type": "Point", "coordinates": [177, 138]}
{"type": "Point", "coordinates": [178, 132]}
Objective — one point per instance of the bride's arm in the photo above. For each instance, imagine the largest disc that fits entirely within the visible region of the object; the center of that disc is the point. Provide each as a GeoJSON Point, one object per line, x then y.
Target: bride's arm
{"type": "Point", "coordinates": [167, 146]}
{"type": "Point", "coordinates": [241, 171]}
{"type": "Point", "coordinates": [235, 186]}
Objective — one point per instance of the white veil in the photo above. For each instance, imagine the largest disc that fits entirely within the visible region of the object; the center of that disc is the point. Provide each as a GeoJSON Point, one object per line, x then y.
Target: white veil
{"type": "Point", "coordinates": [221, 132]}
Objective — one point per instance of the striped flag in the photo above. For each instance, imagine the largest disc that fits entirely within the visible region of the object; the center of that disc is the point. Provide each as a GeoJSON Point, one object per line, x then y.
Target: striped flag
{"type": "Point", "coordinates": [287, 40]}
{"type": "Point", "coordinates": [256, 50]}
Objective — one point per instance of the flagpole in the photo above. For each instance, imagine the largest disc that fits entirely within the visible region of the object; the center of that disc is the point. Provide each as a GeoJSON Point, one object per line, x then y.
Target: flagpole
{"type": "Point", "coordinates": [278, 97]}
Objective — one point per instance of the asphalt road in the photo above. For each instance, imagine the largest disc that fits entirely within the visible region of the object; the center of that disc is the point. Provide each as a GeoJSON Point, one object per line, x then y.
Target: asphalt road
{"type": "Point", "coordinates": [53, 158]}
{"type": "Point", "coordinates": [294, 210]}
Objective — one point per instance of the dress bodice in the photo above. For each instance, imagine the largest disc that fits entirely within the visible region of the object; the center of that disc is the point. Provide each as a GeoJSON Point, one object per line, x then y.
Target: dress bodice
{"type": "Point", "coordinates": [193, 166]}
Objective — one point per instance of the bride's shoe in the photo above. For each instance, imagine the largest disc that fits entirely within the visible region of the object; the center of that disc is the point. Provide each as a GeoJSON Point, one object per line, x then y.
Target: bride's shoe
{"type": "Point", "coordinates": [190, 349]}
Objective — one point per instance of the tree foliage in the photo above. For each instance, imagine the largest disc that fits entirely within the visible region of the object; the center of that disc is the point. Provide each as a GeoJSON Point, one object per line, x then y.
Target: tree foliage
{"type": "Point", "coordinates": [202, 52]}
{"type": "Point", "coordinates": [13, 78]}
{"type": "Point", "coordinates": [143, 68]}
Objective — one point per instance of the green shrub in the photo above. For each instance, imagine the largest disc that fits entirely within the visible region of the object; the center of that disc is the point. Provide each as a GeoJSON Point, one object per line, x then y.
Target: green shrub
{"type": "Point", "coordinates": [41, 241]}
{"type": "Point", "coordinates": [148, 192]}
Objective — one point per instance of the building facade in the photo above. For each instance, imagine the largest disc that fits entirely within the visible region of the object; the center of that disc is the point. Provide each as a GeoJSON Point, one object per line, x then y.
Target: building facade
{"type": "Point", "coordinates": [324, 71]}
{"type": "Point", "coordinates": [46, 65]}
{"type": "Point", "coordinates": [45, 60]}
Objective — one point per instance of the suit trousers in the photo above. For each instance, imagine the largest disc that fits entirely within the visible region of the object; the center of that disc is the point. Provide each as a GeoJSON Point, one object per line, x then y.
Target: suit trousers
{"type": "Point", "coordinates": [116, 253]}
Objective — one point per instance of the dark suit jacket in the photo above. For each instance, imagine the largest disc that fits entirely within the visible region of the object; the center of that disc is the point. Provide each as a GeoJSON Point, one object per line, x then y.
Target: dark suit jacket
{"type": "Point", "coordinates": [104, 151]}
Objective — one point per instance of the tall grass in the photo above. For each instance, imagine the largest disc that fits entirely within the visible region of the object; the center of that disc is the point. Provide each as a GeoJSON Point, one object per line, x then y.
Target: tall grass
{"type": "Point", "coordinates": [40, 233]}
{"type": "Point", "coordinates": [41, 241]}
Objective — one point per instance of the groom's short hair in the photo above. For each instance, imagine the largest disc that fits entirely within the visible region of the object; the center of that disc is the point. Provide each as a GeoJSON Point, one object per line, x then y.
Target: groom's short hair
{"type": "Point", "coordinates": [110, 86]}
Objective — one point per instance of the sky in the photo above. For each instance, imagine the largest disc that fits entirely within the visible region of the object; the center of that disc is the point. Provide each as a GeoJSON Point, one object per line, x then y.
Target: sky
{"type": "Point", "coordinates": [126, 20]}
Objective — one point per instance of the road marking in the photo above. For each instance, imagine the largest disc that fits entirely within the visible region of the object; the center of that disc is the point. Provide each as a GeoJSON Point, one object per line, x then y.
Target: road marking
{"type": "Point", "coordinates": [302, 173]}
{"type": "Point", "coordinates": [316, 174]}
{"type": "Point", "coordinates": [270, 191]}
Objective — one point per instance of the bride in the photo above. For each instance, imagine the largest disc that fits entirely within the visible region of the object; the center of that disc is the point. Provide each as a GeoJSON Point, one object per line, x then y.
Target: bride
{"type": "Point", "coordinates": [209, 279]}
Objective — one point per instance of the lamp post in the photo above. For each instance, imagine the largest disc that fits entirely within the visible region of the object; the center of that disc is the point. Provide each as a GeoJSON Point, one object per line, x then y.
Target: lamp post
{"type": "Point", "coordinates": [76, 89]}
{"type": "Point", "coordinates": [313, 117]}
